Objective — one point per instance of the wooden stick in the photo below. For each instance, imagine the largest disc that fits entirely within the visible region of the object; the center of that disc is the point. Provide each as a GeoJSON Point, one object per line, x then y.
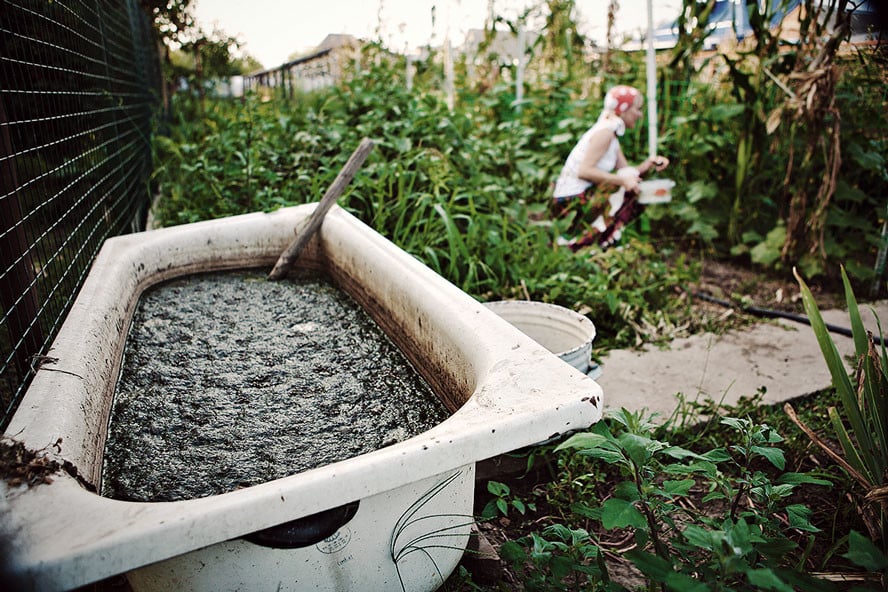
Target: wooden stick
{"type": "Point", "coordinates": [292, 252]}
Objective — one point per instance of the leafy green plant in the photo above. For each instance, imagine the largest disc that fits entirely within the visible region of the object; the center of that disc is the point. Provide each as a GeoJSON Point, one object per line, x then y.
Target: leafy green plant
{"type": "Point", "coordinates": [562, 558]}
{"type": "Point", "coordinates": [699, 521]}
{"type": "Point", "coordinates": [503, 501]}
{"type": "Point", "coordinates": [861, 425]}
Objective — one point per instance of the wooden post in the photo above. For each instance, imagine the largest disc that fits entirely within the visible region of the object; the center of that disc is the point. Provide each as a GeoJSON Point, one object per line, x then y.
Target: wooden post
{"type": "Point", "coordinates": [292, 252]}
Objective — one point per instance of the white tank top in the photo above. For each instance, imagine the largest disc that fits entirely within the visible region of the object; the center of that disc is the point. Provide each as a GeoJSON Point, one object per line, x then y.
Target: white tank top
{"type": "Point", "coordinates": [569, 183]}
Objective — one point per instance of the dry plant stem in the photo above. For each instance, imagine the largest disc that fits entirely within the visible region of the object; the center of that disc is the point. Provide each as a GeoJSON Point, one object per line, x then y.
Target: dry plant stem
{"type": "Point", "coordinates": [877, 495]}
{"type": "Point", "coordinates": [292, 252]}
{"type": "Point", "coordinates": [829, 451]}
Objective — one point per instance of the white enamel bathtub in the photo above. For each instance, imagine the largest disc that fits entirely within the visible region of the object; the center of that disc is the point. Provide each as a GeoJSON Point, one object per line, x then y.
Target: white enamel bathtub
{"type": "Point", "coordinates": [408, 506]}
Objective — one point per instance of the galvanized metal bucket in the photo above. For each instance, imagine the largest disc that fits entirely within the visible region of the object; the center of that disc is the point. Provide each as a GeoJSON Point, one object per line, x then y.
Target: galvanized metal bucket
{"type": "Point", "coordinates": [565, 333]}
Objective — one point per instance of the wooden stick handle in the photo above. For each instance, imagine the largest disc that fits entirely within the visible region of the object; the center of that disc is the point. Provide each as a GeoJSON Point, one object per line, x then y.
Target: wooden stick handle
{"type": "Point", "coordinates": [292, 252]}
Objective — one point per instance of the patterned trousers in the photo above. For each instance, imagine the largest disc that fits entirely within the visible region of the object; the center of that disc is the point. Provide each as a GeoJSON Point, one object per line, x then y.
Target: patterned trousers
{"type": "Point", "coordinates": [599, 217]}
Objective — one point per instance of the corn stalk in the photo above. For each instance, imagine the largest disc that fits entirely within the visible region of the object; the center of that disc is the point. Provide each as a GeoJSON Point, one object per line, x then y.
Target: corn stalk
{"type": "Point", "coordinates": [810, 115]}
{"type": "Point", "coordinates": [692, 33]}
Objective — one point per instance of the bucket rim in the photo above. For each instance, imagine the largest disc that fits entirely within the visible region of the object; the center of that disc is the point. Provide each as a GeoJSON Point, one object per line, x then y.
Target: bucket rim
{"type": "Point", "coordinates": [582, 320]}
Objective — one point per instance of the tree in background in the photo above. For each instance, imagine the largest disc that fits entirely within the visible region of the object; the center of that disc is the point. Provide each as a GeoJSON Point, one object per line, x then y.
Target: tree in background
{"type": "Point", "coordinates": [189, 52]}
{"type": "Point", "coordinates": [170, 21]}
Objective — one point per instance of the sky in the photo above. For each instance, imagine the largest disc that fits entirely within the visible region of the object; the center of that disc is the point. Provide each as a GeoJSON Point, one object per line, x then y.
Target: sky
{"type": "Point", "coordinates": [272, 30]}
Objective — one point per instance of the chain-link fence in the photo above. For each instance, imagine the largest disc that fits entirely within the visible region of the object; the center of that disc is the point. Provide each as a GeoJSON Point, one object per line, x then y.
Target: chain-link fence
{"type": "Point", "coordinates": [78, 87]}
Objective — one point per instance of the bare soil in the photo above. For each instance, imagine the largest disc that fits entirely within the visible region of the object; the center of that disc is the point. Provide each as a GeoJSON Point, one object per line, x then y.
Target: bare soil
{"type": "Point", "coordinates": [770, 290]}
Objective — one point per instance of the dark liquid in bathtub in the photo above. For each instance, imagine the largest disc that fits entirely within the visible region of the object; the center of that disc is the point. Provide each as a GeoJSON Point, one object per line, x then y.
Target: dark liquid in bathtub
{"type": "Point", "coordinates": [230, 380]}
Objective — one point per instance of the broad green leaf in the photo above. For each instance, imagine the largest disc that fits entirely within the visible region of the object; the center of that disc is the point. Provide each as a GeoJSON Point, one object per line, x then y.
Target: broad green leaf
{"type": "Point", "coordinates": [638, 448]}
{"type": "Point", "coordinates": [680, 582]}
{"type": "Point", "coordinates": [776, 548]}
{"type": "Point", "coordinates": [774, 455]}
{"type": "Point", "coordinates": [559, 530]}
{"type": "Point", "coordinates": [682, 487]}
{"type": "Point", "coordinates": [726, 111]}
{"type": "Point", "coordinates": [584, 440]}
{"type": "Point", "coordinates": [605, 455]}
{"type": "Point", "coordinates": [705, 231]}
{"type": "Point", "coordinates": [681, 453]}
{"type": "Point", "coordinates": [512, 552]}
{"type": "Point", "coordinates": [735, 422]}
{"type": "Point", "coordinates": [627, 490]}
{"type": "Point", "coordinates": [618, 513]}
{"type": "Point", "coordinates": [766, 579]}
{"type": "Point", "coordinates": [699, 537]}
{"type": "Point", "coordinates": [780, 490]}
{"type": "Point", "coordinates": [715, 495]}
{"type": "Point", "coordinates": [739, 537]}
{"type": "Point", "coordinates": [561, 566]}
{"type": "Point", "coordinates": [871, 160]}
{"type": "Point", "coordinates": [540, 545]}
{"type": "Point", "coordinates": [717, 455]}
{"type": "Point", "coordinates": [585, 510]}
{"type": "Point", "coordinates": [768, 251]}
{"type": "Point", "coordinates": [490, 509]}
{"type": "Point", "coordinates": [800, 517]}
{"type": "Point", "coordinates": [652, 566]}
{"type": "Point", "coordinates": [578, 535]}
{"type": "Point", "coordinates": [706, 469]}
{"type": "Point", "coordinates": [863, 552]}
{"type": "Point", "coordinates": [800, 478]}
{"type": "Point", "coordinates": [496, 488]}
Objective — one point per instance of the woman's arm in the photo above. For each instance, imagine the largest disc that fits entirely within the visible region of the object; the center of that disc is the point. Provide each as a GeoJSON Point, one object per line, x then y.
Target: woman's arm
{"type": "Point", "coordinates": [588, 169]}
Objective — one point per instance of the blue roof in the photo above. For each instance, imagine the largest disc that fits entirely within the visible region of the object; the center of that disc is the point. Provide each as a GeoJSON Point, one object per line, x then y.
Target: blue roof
{"type": "Point", "coordinates": [728, 18]}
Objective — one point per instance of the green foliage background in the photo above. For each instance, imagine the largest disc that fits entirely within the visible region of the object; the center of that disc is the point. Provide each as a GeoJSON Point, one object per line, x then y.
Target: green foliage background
{"type": "Point", "coordinates": [466, 191]}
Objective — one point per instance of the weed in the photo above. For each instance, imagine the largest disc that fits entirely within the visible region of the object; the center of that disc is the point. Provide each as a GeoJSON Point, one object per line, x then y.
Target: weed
{"type": "Point", "coordinates": [686, 520]}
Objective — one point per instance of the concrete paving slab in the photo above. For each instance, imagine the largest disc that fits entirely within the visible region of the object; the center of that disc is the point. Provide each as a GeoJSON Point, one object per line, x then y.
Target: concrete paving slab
{"type": "Point", "coordinates": [782, 357]}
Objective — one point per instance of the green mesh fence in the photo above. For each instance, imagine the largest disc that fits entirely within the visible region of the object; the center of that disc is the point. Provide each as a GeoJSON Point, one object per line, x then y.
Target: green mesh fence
{"type": "Point", "coordinates": [78, 89]}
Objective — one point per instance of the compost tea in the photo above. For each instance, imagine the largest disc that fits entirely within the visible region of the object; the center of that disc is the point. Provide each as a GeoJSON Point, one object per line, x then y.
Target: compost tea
{"type": "Point", "coordinates": [229, 380]}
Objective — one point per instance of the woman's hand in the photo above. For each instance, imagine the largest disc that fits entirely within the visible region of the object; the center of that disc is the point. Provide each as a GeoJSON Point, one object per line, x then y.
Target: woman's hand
{"type": "Point", "coordinates": [658, 163]}
{"type": "Point", "coordinates": [629, 178]}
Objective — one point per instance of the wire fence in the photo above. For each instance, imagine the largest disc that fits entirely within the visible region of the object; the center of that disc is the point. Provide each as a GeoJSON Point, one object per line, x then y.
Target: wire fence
{"type": "Point", "coordinates": [78, 82]}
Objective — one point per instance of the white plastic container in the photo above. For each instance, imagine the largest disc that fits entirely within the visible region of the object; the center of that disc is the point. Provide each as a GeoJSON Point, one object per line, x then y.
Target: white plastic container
{"type": "Point", "coordinates": [655, 191]}
{"type": "Point", "coordinates": [414, 498]}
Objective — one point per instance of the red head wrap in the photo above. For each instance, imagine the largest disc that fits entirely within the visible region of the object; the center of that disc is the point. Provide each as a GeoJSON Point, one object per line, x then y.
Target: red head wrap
{"type": "Point", "coordinates": [620, 98]}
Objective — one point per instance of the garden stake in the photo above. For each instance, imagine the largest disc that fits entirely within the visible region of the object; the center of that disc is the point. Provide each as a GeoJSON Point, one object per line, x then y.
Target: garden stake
{"type": "Point", "coordinates": [292, 252]}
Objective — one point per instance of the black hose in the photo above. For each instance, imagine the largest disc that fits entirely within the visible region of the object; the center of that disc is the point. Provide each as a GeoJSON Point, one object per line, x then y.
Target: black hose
{"type": "Point", "coordinates": [775, 314]}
